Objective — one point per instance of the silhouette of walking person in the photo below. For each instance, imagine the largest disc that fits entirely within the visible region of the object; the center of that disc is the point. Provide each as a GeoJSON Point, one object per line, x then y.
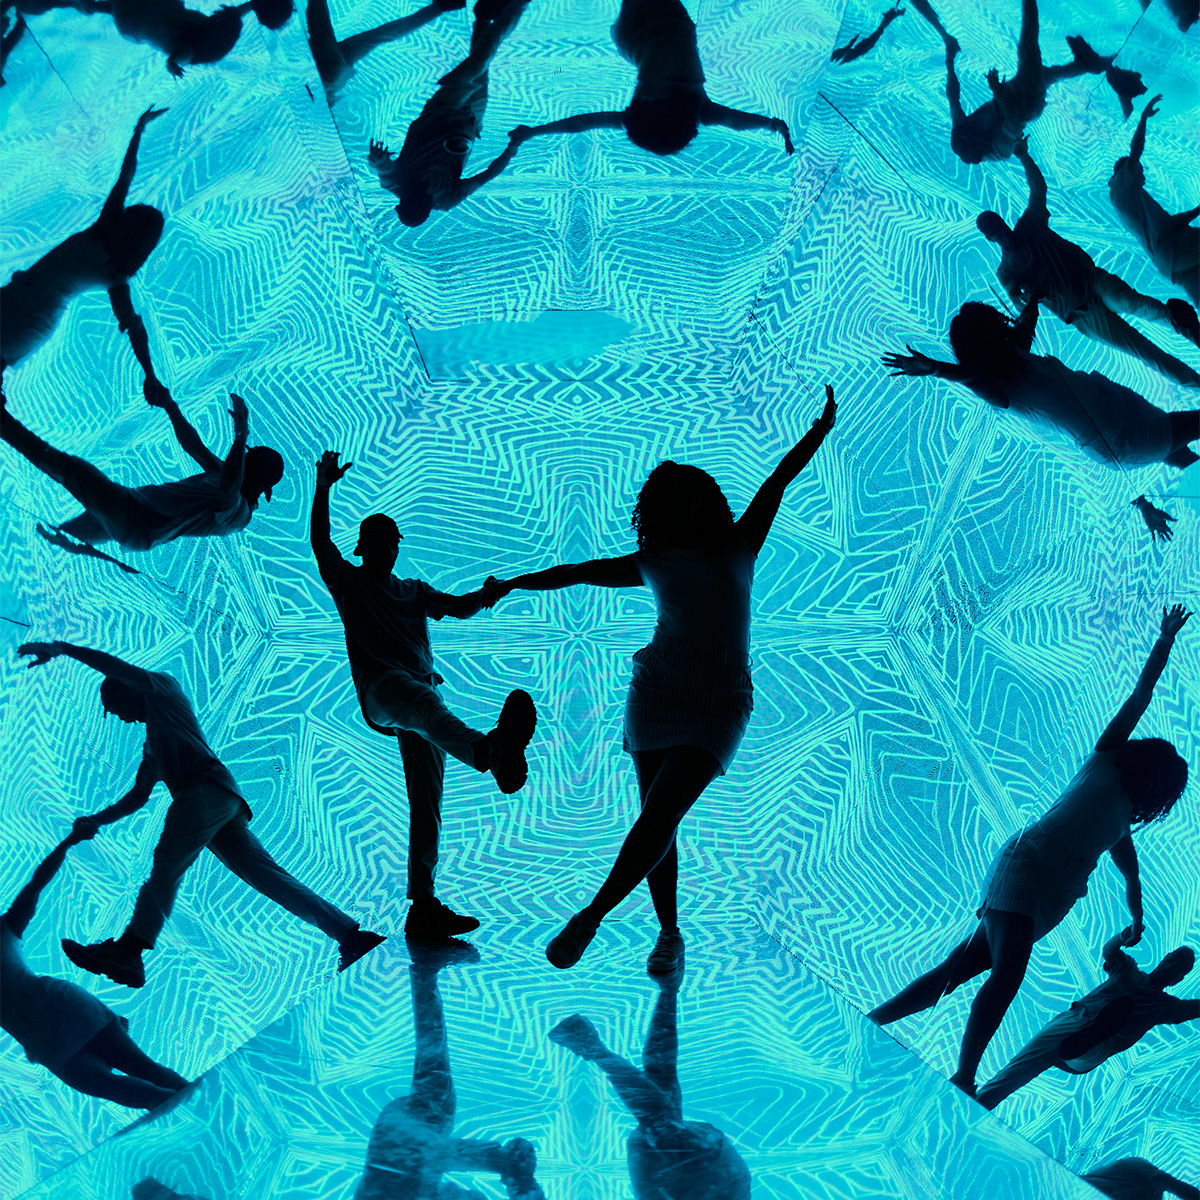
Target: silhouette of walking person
{"type": "Point", "coordinates": [412, 1144]}
{"type": "Point", "coordinates": [387, 641]}
{"type": "Point", "coordinates": [669, 102]}
{"type": "Point", "coordinates": [669, 1158]}
{"type": "Point", "coordinates": [1109, 1019]}
{"type": "Point", "coordinates": [1036, 261]}
{"type": "Point", "coordinates": [71, 1033]}
{"type": "Point", "coordinates": [1138, 1179]}
{"type": "Point", "coordinates": [107, 254]}
{"type": "Point", "coordinates": [427, 173]}
{"type": "Point", "coordinates": [855, 49]}
{"type": "Point", "coordinates": [1170, 239]}
{"type": "Point", "coordinates": [1110, 423]}
{"type": "Point", "coordinates": [206, 809]}
{"type": "Point", "coordinates": [1040, 873]}
{"type": "Point", "coordinates": [690, 698]}
{"type": "Point", "coordinates": [992, 130]}
{"type": "Point", "coordinates": [218, 501]}
{"type": "Point", "coordinates": [337, 60]}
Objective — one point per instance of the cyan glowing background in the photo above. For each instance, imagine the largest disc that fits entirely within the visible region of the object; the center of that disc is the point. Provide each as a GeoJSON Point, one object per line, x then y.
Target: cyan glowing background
{"type": "Point", "coordinates": [947, 612]}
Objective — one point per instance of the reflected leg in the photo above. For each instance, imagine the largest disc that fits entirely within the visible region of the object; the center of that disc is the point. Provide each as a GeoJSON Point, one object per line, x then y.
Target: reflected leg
{"type": "Point", "coordinates": [660, 1056]}
{"type": "Point", "coordinates": [424, 772]}
{"type": "Point", "coordinates": [115, 1047]}
{"type": "Point", "coordinates": [353, 49]}
{"type": "Point", "coordinates": [1099, 322]}
{"type": "Point", "coordinates": [968, 959]}
{"type": "Point", "coordinates": [1039, 1054]}
{"type": "Point", "coordinates": [432, 1099]}
{"type": "Point", "coordinates": [91, 1071]}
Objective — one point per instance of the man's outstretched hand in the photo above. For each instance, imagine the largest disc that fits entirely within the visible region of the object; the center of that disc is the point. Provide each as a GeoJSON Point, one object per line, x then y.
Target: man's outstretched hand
{"type": "Point", "coordinates": [912, 363]}
{"type": "Point", "coordinates": [1156, 519]}
{"type": "Point", "coordinates": [328, 471]}
{"type": "Point", "coordinates": [240, 414]}
{"type": "Point", "coordinates": [1173, 620]}
{"type": "Point", "coordinates": [41, 652]}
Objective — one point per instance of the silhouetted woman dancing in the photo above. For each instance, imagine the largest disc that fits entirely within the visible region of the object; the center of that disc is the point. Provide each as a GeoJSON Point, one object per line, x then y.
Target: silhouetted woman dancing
{"type": "Point", "coordinates": [1042, 871]}
{"type": "Point", "coordinates": [690, 698]}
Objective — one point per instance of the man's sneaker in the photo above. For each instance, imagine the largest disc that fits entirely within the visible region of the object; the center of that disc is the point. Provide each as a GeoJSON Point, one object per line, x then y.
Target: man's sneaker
{"type": "Point", "coordinates": [1184, 319]}
{"type": "Point", "coordinates": [108, 959]}
{"type": "Point", "coordinates": [430, 918]}
{"type": "Point", "coordinates": [507, 742]}
{"type": "Point", "coordinates": [356, 944]}
{"type": "Point", "coordinates": [567, 948]}
{"type": "Point", "coordinates": [667, 956]}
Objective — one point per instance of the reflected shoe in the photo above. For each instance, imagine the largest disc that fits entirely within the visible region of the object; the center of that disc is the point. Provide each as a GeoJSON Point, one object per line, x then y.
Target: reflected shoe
{"type": "Point", "coordinates": [432, 955]}
{"type": "Point", "coordinates": [667, 956]}
{"type": "Point", "coordinates": [520, 1162]}
{"type": "Point", "coordinates": [578, 1035]}
{"type": "Point", "coordinates": [356, 945]}
{"type": "Point", "coordinates": [567, 948]}
{"type": "Point", "coordinates": [507, 742]}
{"type": "Point", "coordinates": [431, 918]}
{"type": "Point", "coordinates": [1184, 320]}
{"type": "Point", "coordinates": [108, 959]}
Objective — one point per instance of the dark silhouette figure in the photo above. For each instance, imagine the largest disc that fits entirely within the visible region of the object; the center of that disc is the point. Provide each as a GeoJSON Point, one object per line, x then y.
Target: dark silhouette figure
{"type": "Point", "coordinates": [412, 1144]}
{"type": "Point", "coordinates": [690, 698]}
{"type": "Point", "coordinates": [1109, 422]}
{"type": "Point", "coordinates": [1039, 873]}
{"type": "Point", "coordinates": [1185, 12]}
{"type": "Point", "coordinates": [992, 130]}
{"type": "Point", "coordinates": [427, 173]}
{"type": "Point", "coordinates": [387, 640]}
{"type": "Point", "coordinates": [1036, 262]}
{"type": "Point", "coordinates": [856, 49]}
{"type": "Point", "coordinates": [107, 254]}
{"type": "Point", "coordinates": [217, 502]}
{"type": "Point", "coordinates": [60, 1025]}
{"type": "Point", "coordinates": [669, 1158]}
{"type": "Point", "coordinates": [336, 60]}
{"type": "Point", "coordinates": [14, 12]}
{"type": "Point", "coordinates": [1138, 1179]}
{"type": "Point", "coordinates": [151, 1189]}
{"type": "Point", "coordinates": [669, 103]}
{"type": "Point", "coordinates": [1110, 1018]}
{"type": "Point", "coordinates": [1171, 241]}
{"type": "Point", "coordinates": [206, 809]}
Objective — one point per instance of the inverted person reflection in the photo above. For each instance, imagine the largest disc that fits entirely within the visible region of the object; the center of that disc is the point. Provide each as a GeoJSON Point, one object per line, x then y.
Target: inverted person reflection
{"type": "Point", "coordinates": [206, 809]}
{"type": "Point", "coordinates": [669, 102]}
{"type": "Point", "coordinates": [668, 1158]}
{"type": "Point", "coordinates": [412, 1144]}
{"type": "Point", "coordinates": [1138, 1179]}
{"type": "Point", "coordinates": [855, 48]}
{"type": "Point", "coordinates": [1109, 1019]}
{"type": "Point", "coordinates": [1039, 874]}
{"type": "Point", "coordinates": [690, 698]}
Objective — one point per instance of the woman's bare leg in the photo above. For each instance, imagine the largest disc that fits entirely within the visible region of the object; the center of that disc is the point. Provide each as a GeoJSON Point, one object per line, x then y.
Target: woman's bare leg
{"type": "Point", "coordinates": [968, 959]}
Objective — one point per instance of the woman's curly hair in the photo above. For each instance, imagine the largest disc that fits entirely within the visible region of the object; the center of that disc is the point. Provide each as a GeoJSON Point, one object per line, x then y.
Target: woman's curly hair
{"type": "Point", "coordinates": [651, 519]}
{"type": "Point", "coordinates": [1153, 775]}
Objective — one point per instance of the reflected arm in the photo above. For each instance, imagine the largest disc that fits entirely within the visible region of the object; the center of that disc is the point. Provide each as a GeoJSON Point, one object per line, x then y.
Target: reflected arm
{"type": "Point", "coordinates": [577, 124]}
{"type": "Point", "coordinates": [1125, 859]}
{"type": "Point", "coordinates": [107, 664]}
{"type": "Point", "coordinates": [600, 572]}
{"type": "Point", "coordinates": [130, 322]}
{"type": "Point", "coordinates": [189, 439]}
{"type": "Point", "coordinates": [1036, 180]}
{"type": "Point", "coordinates": [467, 186]}
{"type": "Point", "coordinates": [734, 118]}
{"type": "Point", "coordinates": [1121, 727]}
{"type": "Point", "coordinates": [21, 911]}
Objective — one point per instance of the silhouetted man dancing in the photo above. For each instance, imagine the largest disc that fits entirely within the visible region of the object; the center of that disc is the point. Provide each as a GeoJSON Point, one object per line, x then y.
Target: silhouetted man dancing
{"type": "Point", "coordinates": [206, 810]}
{"type": "Point", "coordinates": [387, 640]}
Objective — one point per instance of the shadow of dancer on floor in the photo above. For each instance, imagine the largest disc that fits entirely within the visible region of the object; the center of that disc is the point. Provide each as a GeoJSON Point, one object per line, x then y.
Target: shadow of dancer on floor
{"type": "Point", "coordinates": [413, 1142]}
{"type": "Point", "coordinates": [206, 810]}
{"type": "Point", "coordinates": [669, 1158]}
{"type": "Point", "coordinates": [669, 102]}
{"type": "Point", "coordinates": [1138, 1179]}
{"type": "Point", "coordinates": [427, 173]}
{"type": "Point", "coordinates": [855, 49]}
{"type": "Point", "coordinates": [62, 1027]}
{"type": "Point", "coordinates": [991, 131]}
{"type": "Point", "coordinates": [1109, 422]}
{"type": "Point", "coordinates": [1040, 873]}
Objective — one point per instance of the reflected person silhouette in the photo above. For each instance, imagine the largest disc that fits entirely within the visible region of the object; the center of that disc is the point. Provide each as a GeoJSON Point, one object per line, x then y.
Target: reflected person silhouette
{"type": "Point", "coordinates": [58, 1024]}
{"type": "Point", "coordinates": [206, 809]}
{"type": "Point", "coordinates": [391, 662]}
{"type": "Point", "coordinates": [1170, 239]}
{"type": "Point", "coordinates": [992, 130]}
{"type": "Point", "coordinates": [1039, 873]}
{"type": "Point", "coordinates": [1109, 1019]}
{"type": "Point", "coordinates": [855, 49]}
{"type": "Point", "coordinates": [690, 698]}
{"type": "Point", "coordinates": [151, 1189]}
{"type": "Point", "coordinates": [427, 173]}
{"type": "Point", "coordinates": [412, 1144]}
{"type": "Point", "coordinates": [1138, 1179]}
{"type": "Point", "coordinates": [669, 102]}
{"type": "Point", "coordinates": [669, 1158]}
{"type": "Point", "coordinates": [1036, 262]}
{"type": "Point", "coordinates": [1109, 422]}
{"type": "Point", "coordinates": [107, 254]}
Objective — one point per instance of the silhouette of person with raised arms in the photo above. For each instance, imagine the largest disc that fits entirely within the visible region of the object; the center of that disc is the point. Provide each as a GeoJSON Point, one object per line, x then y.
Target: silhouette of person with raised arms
{"type": "Point", "coordinates": [1170, 239]}
{"type": "Point", "coordinates": [336, 60]}
{"type": "Point", "coordinates": [1109, 1019]}
{"type": "Point", "coordinates": [669, 1158]}
{"type": "Point", "coordinates": [1108, 421]}
{"type": "Point", "coordinates": [107, 254]}
{"type": "Point", "coordinates": [855, 48]}
{"type": "Point", "coordinates": [1138, 1179]}
{"type": "Point", "coordinates": [1036, 261]}
{"type": "Point", "coordinates": [412, 1144]}
{"type": "Point", "coordinates": [387, 641]}
{"type": "Point", "coordinates": [219, 501]}
{"type": "Point", "coordinates": [992, 130]}
{"type": "Point", "coordinates": [669, 102]}
{"type": "Point", "coordinates": [206, 809]}
{"type": "Point", "coordinates": [1040, 873]}
{"type": "Point", "coordinates": [690, 698]}
{"type": "Point", "coordinates": [427, 173]}
{"type": "Point", "coordinates": [62, 1027]}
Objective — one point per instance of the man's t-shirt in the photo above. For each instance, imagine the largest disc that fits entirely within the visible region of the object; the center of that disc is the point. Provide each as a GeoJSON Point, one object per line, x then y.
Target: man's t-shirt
{"type": "Point", "coordinates": [188, 507]}
{"type": "Point", "coordinates": [1129, 1179]}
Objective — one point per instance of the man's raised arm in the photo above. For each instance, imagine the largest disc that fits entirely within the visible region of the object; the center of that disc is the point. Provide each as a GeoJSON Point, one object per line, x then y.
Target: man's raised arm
{"type": "Point", "coordinates": [185, 433]}
{"type": "Point", "coordinates": [234, 467]}
{"type": "Point", "coordinates": [106, 664]}
{"type": "Point", "coordinates": [120, 192]}
{"type": "Point", "coordinates": [319, 536]}
{"type": "Point", "coordinates": [1037, 181]}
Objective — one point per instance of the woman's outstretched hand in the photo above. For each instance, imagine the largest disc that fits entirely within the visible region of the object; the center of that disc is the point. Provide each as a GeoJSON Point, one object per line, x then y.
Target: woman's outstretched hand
{"type": "Point", "coordinates": [912, 363]}
{"type": "Point", "coordinates": [1173, 621]}
{"type": "Point", "coordinates": [41, 652]}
